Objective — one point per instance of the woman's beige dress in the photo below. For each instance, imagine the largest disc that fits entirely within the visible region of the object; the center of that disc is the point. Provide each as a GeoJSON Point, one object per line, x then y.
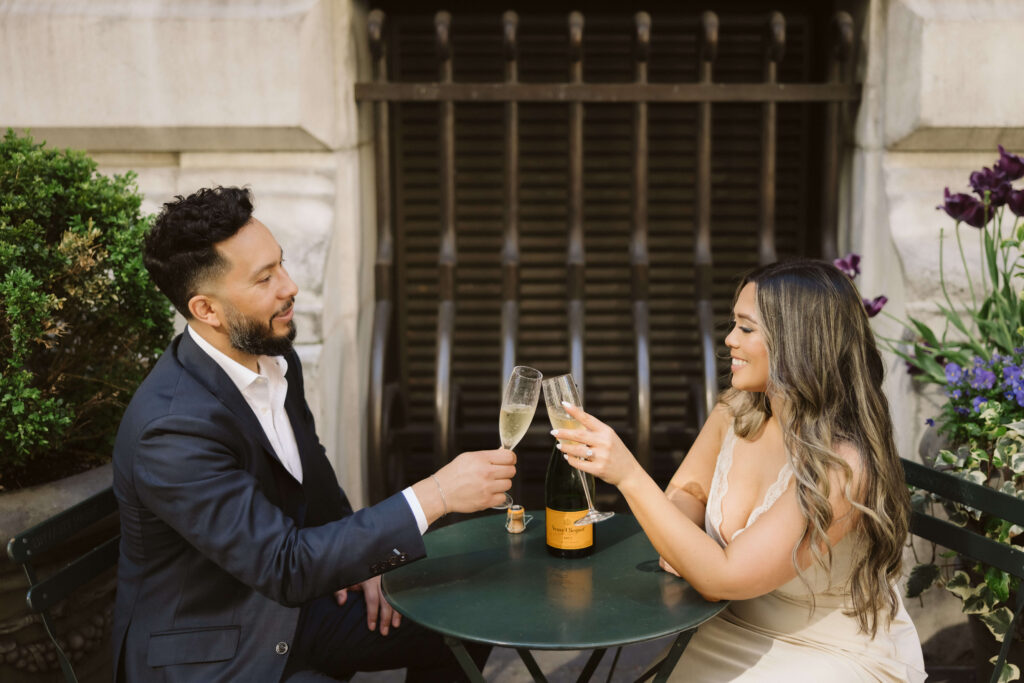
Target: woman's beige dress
{"type": "Point", "coordinates": [776, 637]}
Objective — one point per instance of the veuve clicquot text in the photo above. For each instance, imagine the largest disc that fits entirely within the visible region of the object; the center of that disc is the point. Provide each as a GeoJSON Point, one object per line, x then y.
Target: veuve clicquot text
{"type": "Point", "coordinates": [564, 503]}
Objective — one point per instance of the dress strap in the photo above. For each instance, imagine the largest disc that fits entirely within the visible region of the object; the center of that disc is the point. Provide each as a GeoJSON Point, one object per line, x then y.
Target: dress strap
{"type": "Point", "coordinates": [713, 513]}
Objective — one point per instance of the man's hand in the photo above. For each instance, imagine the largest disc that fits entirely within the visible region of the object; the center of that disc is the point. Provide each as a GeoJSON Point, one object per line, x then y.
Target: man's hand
{"type": "Point", "coordinates": [476, 480]}
{"type": "Point", "coordinates": [377, 608]}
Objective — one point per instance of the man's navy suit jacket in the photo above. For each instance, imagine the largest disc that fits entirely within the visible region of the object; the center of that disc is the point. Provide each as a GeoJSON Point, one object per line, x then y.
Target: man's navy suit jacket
{"type": "Point", "coordinates": [220, 545]}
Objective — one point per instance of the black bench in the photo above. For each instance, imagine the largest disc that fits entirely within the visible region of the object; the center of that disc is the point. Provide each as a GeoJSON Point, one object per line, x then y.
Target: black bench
{"type": "Point", "coordinates": [29, 548]}
{"type": "Point", "coordinates": [963, 540]}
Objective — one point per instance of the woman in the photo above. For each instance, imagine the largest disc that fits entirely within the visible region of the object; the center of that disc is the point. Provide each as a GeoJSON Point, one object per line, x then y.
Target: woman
{"type": "Point", "coordinates": [791, 502]}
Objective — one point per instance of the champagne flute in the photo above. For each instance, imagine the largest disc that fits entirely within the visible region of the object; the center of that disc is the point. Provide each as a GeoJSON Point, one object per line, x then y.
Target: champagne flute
{"type": "Point", "coordinates": [518, 404]}
{"type": "Point", "coordinates": [556, 390]}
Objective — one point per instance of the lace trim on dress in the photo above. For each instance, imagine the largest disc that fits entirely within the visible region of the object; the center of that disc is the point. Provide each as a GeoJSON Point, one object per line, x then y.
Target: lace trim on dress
{"type": "Point", "coordinates": [774, 492]}
{"type": "Point", "coordinates": [714, 513]}
{"type": "Point", "coordinates": [719, 486]}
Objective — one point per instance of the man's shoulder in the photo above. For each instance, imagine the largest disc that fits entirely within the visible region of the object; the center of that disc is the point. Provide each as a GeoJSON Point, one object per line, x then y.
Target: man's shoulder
{"type": "Point", "coordinates": [169, 387]}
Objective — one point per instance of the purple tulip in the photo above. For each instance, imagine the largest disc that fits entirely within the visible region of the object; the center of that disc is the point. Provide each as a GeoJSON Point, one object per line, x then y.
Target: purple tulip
{"type": "Point", "coordinates": [849, 264]}
{"type": "Point", "coordinates": [1010, 166]}
{"type": "Point", "coordinates": [874, 306]}
{"type": "Point", "coordinates": [1016, 202]}
{"type": "Point", "coordinates": [994, 183]}
{"type": "Point", "coordinates": [965, 208]}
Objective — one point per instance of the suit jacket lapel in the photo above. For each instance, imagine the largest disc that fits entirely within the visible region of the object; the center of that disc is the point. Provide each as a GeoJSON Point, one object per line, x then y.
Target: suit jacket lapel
{"type": "Point", "coordinates": [209, 374]}
{"type": "Point", "coordinates": [319, 483]}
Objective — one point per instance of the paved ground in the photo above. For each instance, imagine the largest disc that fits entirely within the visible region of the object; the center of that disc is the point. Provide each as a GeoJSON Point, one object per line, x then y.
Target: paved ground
{"type": "Point", "coordinates": [504, 665]}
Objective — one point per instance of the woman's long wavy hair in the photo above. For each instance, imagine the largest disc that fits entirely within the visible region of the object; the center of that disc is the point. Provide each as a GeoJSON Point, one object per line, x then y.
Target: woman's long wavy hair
{"type": "Point", "coordinates": [825, 365]}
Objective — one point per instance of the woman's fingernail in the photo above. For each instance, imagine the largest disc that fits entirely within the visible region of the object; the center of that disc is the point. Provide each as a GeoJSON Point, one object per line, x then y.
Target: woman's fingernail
{"type": "Point", "coordinates": [554, 432]}
{"type": "Point", "coordinates": [566, 404]}
{"type": "Point", "coordinates": [558, 446]}
{"type": "Point", "coordinates": [566, 457]}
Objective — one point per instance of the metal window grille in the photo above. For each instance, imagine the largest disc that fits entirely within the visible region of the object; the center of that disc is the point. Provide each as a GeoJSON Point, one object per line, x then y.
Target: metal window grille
{"type": "Point", "coordinates": [580, 194]}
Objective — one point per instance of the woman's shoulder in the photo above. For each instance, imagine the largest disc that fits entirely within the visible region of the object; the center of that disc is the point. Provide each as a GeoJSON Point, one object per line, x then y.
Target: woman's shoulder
{"type": "Point", "coordinates": [720, 421]}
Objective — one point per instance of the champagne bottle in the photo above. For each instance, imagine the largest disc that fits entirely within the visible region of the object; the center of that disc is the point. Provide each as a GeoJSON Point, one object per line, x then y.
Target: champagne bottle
{"type": "Point", "coordinates": [564, 503]}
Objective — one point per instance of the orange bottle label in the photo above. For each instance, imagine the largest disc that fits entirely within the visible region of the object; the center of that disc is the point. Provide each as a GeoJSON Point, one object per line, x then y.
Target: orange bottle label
{"type": "Point", "coordinates": [563, 534]}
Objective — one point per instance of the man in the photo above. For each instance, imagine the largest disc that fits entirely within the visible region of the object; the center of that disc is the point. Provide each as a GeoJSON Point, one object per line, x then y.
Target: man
{"type": "Point", "coordinates": [237, 544]}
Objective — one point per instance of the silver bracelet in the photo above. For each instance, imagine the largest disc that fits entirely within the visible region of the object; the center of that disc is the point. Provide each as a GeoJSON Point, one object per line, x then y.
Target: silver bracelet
{"type": "Point", "coordinates": [441, 491]}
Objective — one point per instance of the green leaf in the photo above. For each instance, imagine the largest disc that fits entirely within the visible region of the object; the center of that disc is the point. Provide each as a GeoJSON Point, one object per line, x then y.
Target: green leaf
{"type": "Point", "coordinates": [921, 578]}
{"type": "Point", "coordinates": [998, 622]}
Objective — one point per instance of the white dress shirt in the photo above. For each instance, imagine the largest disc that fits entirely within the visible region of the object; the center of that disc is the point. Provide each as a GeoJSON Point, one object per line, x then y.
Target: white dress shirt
{"type": "Point", "coordinates": [265, 393]}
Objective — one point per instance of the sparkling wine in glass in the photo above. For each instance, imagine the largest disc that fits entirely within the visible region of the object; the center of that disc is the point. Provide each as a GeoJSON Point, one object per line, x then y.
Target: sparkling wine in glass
{"type": "Point", "coordinates": [556, 390]}
{"type": "Point", "coordinates": [518, 404]}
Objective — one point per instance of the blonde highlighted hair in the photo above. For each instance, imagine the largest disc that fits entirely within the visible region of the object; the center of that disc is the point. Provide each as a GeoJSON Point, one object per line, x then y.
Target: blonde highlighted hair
{"type": "Point", "coordinates": [826, 368]}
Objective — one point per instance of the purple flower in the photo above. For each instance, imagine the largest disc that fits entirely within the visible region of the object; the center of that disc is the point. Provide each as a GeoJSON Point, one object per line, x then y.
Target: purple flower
{"type": "Point", "coordinates": [1010, 166]}
{"type": "Point", "coordinates": [987, 180]}
{"type": "Point", "coordinates": [930, 422]}
{"type": "Point", "coordinates": [849, 264]}
{"type": "Point", "coordinates": [965, 208]}
{"type": "Point", "coordinates": [978, 402]}
{"type": "Point", "coordinates": [955, 373]}
{"type": "Point", "coordinates": [1016, 202]}
{"type": "Point", "coordinates": [874, 306]}
{"type": "Point", "coordinates": [982, 378]}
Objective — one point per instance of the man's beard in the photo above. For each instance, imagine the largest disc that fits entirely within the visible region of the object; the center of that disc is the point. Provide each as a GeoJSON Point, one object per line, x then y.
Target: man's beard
{"type": "Point", "coordinates": [251, 336]}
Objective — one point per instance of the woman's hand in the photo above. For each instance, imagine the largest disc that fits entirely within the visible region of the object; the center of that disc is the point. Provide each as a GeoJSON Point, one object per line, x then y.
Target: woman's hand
{"type": "Point", "coordinates": [596, 449]}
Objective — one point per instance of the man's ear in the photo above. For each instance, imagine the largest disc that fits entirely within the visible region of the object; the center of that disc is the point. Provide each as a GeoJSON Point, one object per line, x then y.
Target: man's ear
{"type": "Point", "coordinates": [205, 310]}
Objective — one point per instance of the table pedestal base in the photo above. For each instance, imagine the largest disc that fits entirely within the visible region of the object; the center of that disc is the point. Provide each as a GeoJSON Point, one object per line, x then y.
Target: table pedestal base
{"type": "Point", "coordinates": [660, 671]}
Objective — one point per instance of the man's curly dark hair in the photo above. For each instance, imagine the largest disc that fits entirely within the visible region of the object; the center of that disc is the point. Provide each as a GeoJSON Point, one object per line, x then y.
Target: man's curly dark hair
{"type": "Point", "coordinates": [179, 249]}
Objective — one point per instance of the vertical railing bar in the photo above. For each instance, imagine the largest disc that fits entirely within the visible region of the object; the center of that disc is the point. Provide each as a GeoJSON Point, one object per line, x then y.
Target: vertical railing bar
{"type": "Point", "coordinates": [510, 247]}
{"type": "Point", "coordinates": [841, 49]}
{"type": "Point", "coordinates": [775, 44]}
{"type": "Point", "coordinates": [383, 269]}
{"type": "Point", "coordinates": [576, 256]}
{"type": "Point", "coordinates": [708, 40]}
{"type": "Point", "coordinates": [639, 255]}
{"type": "Point", "coordinates": [443, 390]}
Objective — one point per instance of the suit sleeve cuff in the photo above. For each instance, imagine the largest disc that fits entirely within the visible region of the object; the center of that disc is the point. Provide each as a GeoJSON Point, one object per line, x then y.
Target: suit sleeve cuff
{"type": "Point", "coordinates": [417, 509]}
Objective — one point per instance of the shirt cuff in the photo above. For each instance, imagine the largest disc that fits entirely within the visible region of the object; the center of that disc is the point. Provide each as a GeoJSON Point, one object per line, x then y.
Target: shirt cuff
{"type": "Point", "coordinates": [417, 509]}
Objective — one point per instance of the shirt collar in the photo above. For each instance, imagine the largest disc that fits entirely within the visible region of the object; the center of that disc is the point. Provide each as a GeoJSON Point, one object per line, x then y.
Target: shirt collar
{"type": "Point", "coordinates": [239, 375]}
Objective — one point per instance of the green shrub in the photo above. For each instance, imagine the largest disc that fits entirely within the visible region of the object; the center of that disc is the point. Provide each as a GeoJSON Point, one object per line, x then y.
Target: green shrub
{"type": "Point", "coordinates": [80, 321]}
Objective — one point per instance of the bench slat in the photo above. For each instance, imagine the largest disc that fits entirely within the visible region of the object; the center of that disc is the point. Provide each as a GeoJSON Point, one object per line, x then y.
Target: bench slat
{"type": "Point", "coordinates": [986, 550]}
{"type": "Point", "coordinates": [48, 592]}
{"type": "Point", "coordinates": [965, 492]}
{"type": "Point", "coordinates": [62, 526]}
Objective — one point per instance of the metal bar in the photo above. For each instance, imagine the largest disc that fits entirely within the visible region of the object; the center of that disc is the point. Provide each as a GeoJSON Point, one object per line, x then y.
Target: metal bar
{"type": "Point", "coordinates": [966, 492]}
{"type": "Point", "coordinates": [576, 256]}
{"type": "Point", "coordinates": [383, 269]}
{"type": "Point", "coordinates": [446, 260]}
{"type": "Point", "coordinates": [62, 526]}
{"type": "Point", "coordinates": [591, 666]}
{"type": "Point", "coordinates": [708, 40]}
{"type": "Point", "coordinates": [983, 549]}
{"type": "Point", "coordinates": [842, 48]}
{"type": "Point", "coordinates": [531, 665]}
{"type": "Point", "coordinates": [775, 45]}
{"type": "Point", "coordinates": [608, 92]}
{"type": "Point", "coordinates": [674, 653]}
{"type": "Point", "coordinates": [510, 247]}
{"type": "Point", "coordinates": [57, 586]}
{"type": "Point", "coordinates": [640, 260]}
{"type": "Point", "coordinates": [470, 668]}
